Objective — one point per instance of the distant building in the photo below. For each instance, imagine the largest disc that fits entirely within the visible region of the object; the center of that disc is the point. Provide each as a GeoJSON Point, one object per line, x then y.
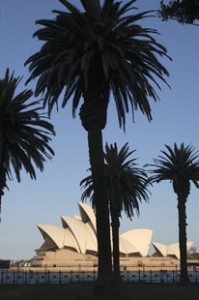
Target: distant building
{"type": "Point", "coordinates": [75, 243]}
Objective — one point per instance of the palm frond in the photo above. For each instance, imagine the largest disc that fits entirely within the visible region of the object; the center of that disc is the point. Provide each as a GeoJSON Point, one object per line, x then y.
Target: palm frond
{"type": "Point", "coordinates": [126, 183]}
{"type": "Point", "coordinates": [178, 164]}
{"type": "Point", "coordinates": [100, 45]}
{"type": "Point", "coordinates": [25, 130]}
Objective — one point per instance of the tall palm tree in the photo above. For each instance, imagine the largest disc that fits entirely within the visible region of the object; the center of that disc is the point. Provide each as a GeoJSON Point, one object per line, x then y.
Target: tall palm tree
{"type": "Point", "coordinates": [126, 186]}
{"type": "Point", "coordinates": [24, 132]}
{"type": "Point", "coordinates": [91, 54]}
{"type": "Point", "coordinates": [179, 165]}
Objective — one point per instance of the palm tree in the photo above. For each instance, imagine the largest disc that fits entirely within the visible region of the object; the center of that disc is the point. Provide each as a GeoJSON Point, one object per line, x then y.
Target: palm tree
{"type": "Point", "coordinates": [179, 165]}
{"type": "Point", "coordinates": [24, 132]}
{"type": "Point", "coordinates": [92, 54]}
{"type": "Point", "coordinates": [126, 186]}
{"type": "Point", "coordinates": [183, 11]}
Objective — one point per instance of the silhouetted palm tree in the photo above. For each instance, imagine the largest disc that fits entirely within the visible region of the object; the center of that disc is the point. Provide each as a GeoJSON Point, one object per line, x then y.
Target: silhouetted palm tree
{"type": "Point", "coordinates": [91, 54]}
{"type": "Point", "coordinates": [179, 165]}
{"type": "Point", "coordinates": [126, 186]}
{"type": "Point", "coordinates": [183, 11]}
{"type": "Point", "coordinates": [24, 132]}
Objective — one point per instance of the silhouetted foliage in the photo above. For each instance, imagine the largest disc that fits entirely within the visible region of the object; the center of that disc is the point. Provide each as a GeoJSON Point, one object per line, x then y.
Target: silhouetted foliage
{"type": "Point", "coordinates": [179, 165]}
{"type": "Point", "coordinates": [24, 132]}
{"type": "Point", "coordinates": [91, 54]}
{"type": "Point", "coordinates": [184, 11]}
{"type": "Point", "coordinates": [126, 186]}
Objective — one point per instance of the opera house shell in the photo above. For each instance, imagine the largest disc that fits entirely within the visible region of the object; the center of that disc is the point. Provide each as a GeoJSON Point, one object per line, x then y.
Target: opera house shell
{"type": "Point", "coordinates": [75, 242]}
{"type": "Point", "coordinates": [170, 250]}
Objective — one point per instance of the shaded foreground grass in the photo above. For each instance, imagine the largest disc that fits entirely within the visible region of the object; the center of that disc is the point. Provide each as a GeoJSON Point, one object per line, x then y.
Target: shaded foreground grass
{"type": "Point", "coordinates": [83, 291]}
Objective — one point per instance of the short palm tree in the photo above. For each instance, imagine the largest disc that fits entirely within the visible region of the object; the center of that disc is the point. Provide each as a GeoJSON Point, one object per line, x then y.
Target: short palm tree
{"type": "Point", "coordinates": [91, 54]}
{"type": "Point", "coordinates": [179, 165]}
{"type": "Point", "coordinates": [126, 186]}
{"type": "Point", "coordinates": [24, 132]}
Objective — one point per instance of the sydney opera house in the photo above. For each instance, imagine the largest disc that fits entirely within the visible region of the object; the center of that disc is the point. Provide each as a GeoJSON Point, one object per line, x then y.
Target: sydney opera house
{"type": "Point", "coordinates": [75, 244]}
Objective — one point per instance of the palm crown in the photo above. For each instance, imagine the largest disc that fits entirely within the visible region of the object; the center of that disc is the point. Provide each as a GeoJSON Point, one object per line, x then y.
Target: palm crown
{"type": "Point", "coordinates": [24, 131]}
{"type": "Point", "coordinates": [102, 48]}
{"type": "Point", "coordinates": [180, 165]}
{"type": "Point", "coordinates": [126, 184]}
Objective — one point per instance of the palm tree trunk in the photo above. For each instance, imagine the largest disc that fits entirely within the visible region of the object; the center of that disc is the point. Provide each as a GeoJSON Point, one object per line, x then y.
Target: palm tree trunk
{"type": "Point", "coordinates": [115, 224]}
{"type": "Point", "coordinates": [93, 117]}
{"type": "Point", "coordinates": [101, 204]}
{"type": "Point", "coordinates": [184, 278]}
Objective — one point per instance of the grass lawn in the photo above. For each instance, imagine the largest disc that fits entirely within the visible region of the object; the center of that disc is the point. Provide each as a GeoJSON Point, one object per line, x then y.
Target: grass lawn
{"type": "Point", "coordinates": [83, 291]}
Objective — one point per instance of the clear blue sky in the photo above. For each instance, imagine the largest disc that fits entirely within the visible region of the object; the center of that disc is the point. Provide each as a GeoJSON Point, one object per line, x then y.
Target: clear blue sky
{"type": "Point", "coordinates": [56, 191]}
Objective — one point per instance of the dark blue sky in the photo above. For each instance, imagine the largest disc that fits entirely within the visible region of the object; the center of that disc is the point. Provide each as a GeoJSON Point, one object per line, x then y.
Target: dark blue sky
{"type": "Point", "coordinates": [56, 192]}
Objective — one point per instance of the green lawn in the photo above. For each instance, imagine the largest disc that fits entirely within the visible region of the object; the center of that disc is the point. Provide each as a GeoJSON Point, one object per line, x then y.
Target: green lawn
{"type": "Point", "coordinates": [83, 291]}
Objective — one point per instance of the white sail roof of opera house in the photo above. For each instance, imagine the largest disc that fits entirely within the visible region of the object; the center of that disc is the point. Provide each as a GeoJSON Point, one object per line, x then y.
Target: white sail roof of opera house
{"type": "Point", "coordinates": [60, 236]}
{"type": "Point", "coordinates": [170, 250]}
{"type": "Point", "coordinates": [140, 238]}
{"type": "Point", "coordinates": [87, 215]}
{"type": "Point", "coordinates": [78, 233]}
{"type": "Point", "coordinates": [82, 232]}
